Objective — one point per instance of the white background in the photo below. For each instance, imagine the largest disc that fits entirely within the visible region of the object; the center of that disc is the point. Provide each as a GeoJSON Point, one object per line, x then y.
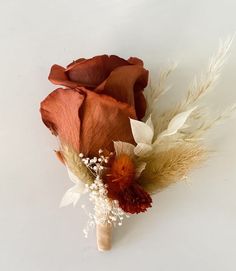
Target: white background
{"type": "Point", "coordinates": [190, 227]}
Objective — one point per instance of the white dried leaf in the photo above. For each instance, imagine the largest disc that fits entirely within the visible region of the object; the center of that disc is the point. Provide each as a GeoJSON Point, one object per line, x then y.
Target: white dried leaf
{"type": "Point", "coordinates": [141, 131]}
{"type": "Point", "coordinates": [142, 149]}
{"type": "Point", "coordinates": [176, 123]}
{"type": "Point", "coordinates": [72, 195]}
{"type": "Point", "coordinates": [150, 123]}
{"type": "Point", "coordinates": [124, 147]}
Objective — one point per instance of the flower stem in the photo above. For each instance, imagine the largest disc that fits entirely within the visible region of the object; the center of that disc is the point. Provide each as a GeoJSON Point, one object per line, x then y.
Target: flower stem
{"type": "Point", "coordinates": [104, 232]}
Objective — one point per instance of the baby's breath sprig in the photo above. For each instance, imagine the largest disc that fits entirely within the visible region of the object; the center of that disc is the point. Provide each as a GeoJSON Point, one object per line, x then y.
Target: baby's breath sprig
{"type": "Point", "coordinates": [96, 165]}
{"type": "Point", "coordinates": [105, 209]}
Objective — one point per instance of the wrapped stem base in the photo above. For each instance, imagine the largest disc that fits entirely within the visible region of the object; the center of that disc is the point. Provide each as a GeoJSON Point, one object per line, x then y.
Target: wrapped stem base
{"type": "Point", "coordinates": [104, 236]}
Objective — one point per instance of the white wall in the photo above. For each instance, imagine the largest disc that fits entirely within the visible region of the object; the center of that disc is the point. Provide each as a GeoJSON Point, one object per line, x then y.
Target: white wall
{"type": "Point", "coordinates": [189, 227]}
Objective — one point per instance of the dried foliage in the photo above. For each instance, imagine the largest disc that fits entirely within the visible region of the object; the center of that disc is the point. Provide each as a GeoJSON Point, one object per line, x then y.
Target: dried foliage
{"type": "Point", "coordinates": [153, 93]}
{"type": "Point", "coordinates": [176, 154]}
{"type": "Point", "coordinates": [76, 166]}
{"type": "Point", "coordinates": [197, 90]}
{"type": "Point", "coordinates": [168, 167]}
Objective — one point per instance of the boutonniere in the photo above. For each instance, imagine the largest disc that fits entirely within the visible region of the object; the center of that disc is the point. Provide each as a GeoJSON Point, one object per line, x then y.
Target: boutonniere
{"type": "Point", "coordinates": [115, 143]}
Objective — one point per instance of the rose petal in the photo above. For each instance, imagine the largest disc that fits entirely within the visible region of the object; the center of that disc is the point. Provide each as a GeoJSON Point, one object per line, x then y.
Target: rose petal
{"type": "Point", "coordinates": [140, 104]}
{"type": "Point", "coordinates": [92, 72]}
{"type": "Point", "coordinates": [58, 77]}
{"type": "Point", "coordinates": [75, 61]}
{"type": "Point", "coordinates": [104, 120]}
{"type": "Point", "coordinates": [95, 74]}
{"type": "Point", "coordinates": [87, 121]}
{"type": "Point", "coordinates": [60, 113]}
{"type": "Point", "coordinates": [135, 61]}
{"type": "Point", "coordinates": [124, 81]}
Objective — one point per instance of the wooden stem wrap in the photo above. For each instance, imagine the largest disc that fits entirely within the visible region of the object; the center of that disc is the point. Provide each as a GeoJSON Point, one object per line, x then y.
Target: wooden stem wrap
{"type": "Point", "coordinates": [104, 232]}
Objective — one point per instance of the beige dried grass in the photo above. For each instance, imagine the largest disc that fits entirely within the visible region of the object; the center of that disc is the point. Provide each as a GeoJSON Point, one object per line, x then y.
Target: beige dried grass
{"type": "Point", "coordinates": [76, 166]}
{"type": "Point", "coordinates": [171, 166]}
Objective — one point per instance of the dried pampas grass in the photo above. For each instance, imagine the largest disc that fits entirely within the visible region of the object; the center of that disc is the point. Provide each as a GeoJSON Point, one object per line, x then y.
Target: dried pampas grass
{"type": "Point", "coordinates": [168, 167]}
{"type": "Point", "coordinates": [175, 155]}
{"type": "Point", "coordinates": [154, 93]}
{"type": "Point", "coordinates": [204, 123]}
{"type": "Point", "coordinates": [197, 90]}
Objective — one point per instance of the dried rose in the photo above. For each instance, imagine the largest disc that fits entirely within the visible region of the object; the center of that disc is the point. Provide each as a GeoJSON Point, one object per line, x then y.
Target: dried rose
{"type": "Point", "coordinates": [121, 79]}
{"type": "Point", "coordinates": [104, 92]}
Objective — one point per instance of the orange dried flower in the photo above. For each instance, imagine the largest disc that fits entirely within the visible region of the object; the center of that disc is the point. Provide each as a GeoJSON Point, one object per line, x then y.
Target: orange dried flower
{"type": "Point", "coordinates": [122, 172]}
{"type": "Point", "coordinates": [122, 186]}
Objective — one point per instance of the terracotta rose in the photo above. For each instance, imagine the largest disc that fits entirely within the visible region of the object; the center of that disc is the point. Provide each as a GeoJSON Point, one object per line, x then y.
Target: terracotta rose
{"type": "Point", "coordinates": [101, 94]}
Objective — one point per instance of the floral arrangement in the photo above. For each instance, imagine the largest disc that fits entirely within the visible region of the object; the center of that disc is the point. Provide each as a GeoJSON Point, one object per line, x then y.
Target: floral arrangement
{"type": "Point", "coordinates": [116, 144]}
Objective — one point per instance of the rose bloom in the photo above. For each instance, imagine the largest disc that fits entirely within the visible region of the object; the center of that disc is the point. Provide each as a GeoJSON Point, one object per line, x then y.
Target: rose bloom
{"type": "Point", "coordinates": [93, 110]}
{"type": "Point", "coordinates": [102, 94]}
